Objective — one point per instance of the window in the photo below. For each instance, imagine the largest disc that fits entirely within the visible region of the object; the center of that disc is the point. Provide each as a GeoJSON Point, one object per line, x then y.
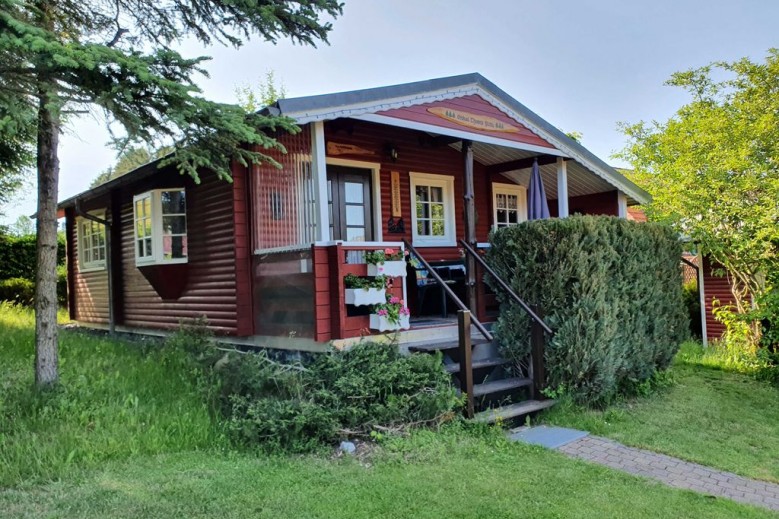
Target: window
{"type": "Point", "coordinates": [160, 219]}
{"type": "Point", "coordinates": [91, 243]}
{"type": "Point", "coordinates": [432, 210]}
{"type": "Point", "coordinates": [509, 203]}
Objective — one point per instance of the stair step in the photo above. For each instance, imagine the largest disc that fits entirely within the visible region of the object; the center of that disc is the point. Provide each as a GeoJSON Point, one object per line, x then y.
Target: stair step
{"type": "Point", "coordinates": [442, 346]}
{"type": "Point", "coordinates": [513, 410]}
{"type": "Point", "coordinates": [477, 364]}
{"type": "Point", "coordinates": [498, 386]}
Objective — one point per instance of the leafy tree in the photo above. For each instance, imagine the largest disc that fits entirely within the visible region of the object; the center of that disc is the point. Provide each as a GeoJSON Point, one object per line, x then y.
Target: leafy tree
{"type": "Point", "coordinates": [267, 93]}
{"type": "Point", "coordinates": [60, 58]}
{"type": "Point", "coordinates": [713, 169]}
{"type": "Point", "coordinates": [23, 226]}
{"type": "Point", "coordinates": [131, 158]}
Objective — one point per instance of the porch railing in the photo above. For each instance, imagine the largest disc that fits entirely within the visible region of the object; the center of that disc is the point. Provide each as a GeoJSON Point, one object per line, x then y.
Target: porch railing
{"type": "Point", "coordinates": [333, 261]}
{"type": "Point", "coordinates": [537, 369]}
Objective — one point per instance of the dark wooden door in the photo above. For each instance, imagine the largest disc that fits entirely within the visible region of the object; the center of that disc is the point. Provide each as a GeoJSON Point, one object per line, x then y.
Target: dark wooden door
{"type": "Point", "coordinates": [349, 203]}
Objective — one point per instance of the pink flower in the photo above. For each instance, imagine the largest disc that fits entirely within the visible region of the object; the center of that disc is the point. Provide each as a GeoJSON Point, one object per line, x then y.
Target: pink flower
{"type": "Point", "coordinates": [404, 311]}
{"type": "Point", "coordinates": [382, 312]}
{"type": "Point", "coordinates": [389, 252]}
{"type": "Point", "coordinates": [395, 300]}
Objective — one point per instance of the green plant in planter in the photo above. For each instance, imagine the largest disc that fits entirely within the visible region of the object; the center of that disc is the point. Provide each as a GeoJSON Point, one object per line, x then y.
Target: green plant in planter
{"type": "Point", "coordinates": [377, 257]}
{"type": "Point", "coordinates": [352, 281]}
{"type": "Point", "coordinates": [392, 310]}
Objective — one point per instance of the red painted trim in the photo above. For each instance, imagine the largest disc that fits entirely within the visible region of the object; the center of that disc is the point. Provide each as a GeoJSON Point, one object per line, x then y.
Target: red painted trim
{"type": "Point", "coordinates": [243, 270]}
{"type": "Point", "coordinates": [70, 230]}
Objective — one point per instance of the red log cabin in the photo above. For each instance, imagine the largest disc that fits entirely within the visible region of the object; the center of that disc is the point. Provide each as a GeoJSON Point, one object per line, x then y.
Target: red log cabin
{"type": "Point", "coordinates": [264, 258]}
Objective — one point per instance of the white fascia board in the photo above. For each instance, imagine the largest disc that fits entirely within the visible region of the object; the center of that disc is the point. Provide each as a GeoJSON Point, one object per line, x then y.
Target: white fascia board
{"type": "Point", "coordinates": [367, 111]}
{"type": "Point", "coordinates": [450, 132]}
{"type": "Point", "coordinates": [356, 109]}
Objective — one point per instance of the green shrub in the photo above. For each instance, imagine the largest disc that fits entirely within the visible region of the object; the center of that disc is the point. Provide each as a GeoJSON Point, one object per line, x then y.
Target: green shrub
{"type": "Point", "coordinates": [297, 408]}
{"type": "Point", "coordinates": [610, 290]}
{"type": "Point", "coordinates": [18, 256]}
{"type": "Point", "coordinates": [17, 290]}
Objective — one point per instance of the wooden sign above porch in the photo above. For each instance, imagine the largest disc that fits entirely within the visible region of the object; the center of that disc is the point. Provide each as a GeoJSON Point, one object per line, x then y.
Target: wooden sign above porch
{"type": "Point", "coordinates": [471, 120]}
{"type": "Point", "coordinates": [337, 148]}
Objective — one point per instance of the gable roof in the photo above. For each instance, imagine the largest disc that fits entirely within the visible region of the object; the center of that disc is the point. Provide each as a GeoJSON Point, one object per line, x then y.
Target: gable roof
{"type": "Point", "coordinates": [356, 103]}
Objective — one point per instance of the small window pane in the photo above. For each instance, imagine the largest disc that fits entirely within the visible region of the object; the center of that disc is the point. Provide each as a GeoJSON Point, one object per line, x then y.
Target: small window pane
{"type": "Point", "coordinates": [147, 206]}
{"type": "Point", "coordinates": [423, 227]}
{"type": "Point", "coordinates": [173, 202]}
{"type": "Point", "coordinates": [512, 217]}
{"type": "Point", "coordinates": [437, 194]}
{"type": "Point", "coordinates": [422, 194]}
{"type": "Point", "coordinates": [355, 215]}
{"type": "Point", "coordinates": [353, 192]}
{"type": "Point", "coordinates": [437, 211]}
{"type": "Point", "coordinates": [355, 233]}
{"type": "Point", "coordinates": [512, 201]}
{"type": "Point", "coordinates": [174, 224]}
{"type": "Point", "coordinates": [439, 229]}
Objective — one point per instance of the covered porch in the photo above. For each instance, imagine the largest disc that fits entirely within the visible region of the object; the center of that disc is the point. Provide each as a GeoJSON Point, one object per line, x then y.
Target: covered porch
{"type": "Point", "coordinates": [430, 169]}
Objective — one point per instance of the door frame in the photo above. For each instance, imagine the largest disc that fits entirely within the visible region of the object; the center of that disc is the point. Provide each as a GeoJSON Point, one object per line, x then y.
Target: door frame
{"type": "Point", "coordinates": [375, 169]}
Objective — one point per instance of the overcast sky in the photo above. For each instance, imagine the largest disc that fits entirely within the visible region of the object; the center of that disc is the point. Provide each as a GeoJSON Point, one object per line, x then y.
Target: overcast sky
{"type": "Point", "coordinates": [583, 66]}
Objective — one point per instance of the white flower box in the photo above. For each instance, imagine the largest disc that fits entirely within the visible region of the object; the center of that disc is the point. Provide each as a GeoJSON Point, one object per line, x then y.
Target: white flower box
{"type": "Point", "coordinates": [381, 323]}
{"type": "Point", "coordinates": [365, 296]}
{"type": "Point", "coordinates": [391, 269]}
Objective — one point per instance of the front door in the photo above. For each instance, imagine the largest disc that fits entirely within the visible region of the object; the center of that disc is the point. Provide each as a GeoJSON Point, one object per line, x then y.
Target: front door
{"type": "Point", "coordinates": [349, 203]}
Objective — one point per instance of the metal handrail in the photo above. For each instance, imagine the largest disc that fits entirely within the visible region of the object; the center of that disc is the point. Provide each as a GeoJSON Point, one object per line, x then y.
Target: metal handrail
{"type": "Point", "coordinates": [487, 335]}
{"type": "Point", "coordinates": [507, 288]}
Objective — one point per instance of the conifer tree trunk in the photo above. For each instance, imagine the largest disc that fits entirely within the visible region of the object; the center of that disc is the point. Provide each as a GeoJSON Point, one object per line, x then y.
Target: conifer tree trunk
{"type": "Point", "coordinates": [46, 355]}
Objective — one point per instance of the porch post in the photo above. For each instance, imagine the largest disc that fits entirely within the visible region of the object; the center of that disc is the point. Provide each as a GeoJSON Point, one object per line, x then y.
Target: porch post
{"type": "Point", "coordinates": [562, 188]}
{"type": "Point", "coordinates": [622, 204]}
{"type": "Point", "coordinates": [319, 172]}
{"type": "Point", "coordinates": [470, 223]}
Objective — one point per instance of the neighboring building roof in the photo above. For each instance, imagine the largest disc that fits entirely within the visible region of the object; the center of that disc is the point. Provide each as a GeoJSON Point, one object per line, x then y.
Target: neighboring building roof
{"type": "Point", "coordinates": [358, 102]}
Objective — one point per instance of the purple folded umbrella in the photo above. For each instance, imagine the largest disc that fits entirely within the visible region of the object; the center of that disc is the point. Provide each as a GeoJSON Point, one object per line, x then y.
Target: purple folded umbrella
{"type": "Point", "coordinates": [537, 207]}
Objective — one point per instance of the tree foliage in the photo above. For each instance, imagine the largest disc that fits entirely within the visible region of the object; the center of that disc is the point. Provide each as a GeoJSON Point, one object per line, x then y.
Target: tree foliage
{"type": "Point", "coordinates": [128, 160]}
{"type": "Point", "coordinates": [713, 168]}
{"type": "Point", "coordinates": [61, 58]}
{"type": "Point", "coordinates": [266, 93]}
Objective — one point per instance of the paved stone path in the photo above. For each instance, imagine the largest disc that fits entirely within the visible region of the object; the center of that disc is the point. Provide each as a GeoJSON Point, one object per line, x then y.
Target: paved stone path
{"type": "Point", "coordinates": [674, 472]}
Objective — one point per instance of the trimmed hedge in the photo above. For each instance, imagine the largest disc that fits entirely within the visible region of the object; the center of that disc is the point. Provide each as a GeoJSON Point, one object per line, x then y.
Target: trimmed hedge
{"type": "Point", "coordinates": [18, 258]}
{"type": "Point", "coordinates": [609, 288]}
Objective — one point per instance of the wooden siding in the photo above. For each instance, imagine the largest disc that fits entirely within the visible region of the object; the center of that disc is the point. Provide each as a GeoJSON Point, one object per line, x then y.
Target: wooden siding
{"type": "Point", "coordinates": [243, 252]}
{"type": "Point", "coordinates": [210, 288]}
{"type": "Point", "coordinates": [90, 289]}
{"type": "Point", "coordinates": [416, 157]}
{"type": "Point", "coordinates": [598, 203]}
{"type": "Point", "coordinates": [471, 104]}
{"type": "Point", "coordinates": [715, 287]}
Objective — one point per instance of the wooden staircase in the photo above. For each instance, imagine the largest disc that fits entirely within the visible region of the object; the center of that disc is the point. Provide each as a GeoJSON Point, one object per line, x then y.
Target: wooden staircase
{"type": "Point", "coordinates": [497, 394]}
{"type": "Point", "coordinates": [493, 393]}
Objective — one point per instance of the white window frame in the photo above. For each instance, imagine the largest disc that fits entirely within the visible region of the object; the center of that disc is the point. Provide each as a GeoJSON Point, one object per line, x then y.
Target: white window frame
{"type": "Point", "coordinates": [517, 190]}
{"type": "Point", "coordinates": [93, 265]}
{"type": "Point", "coordinates": [446, 182]}
{"type": "Point", "coordinates": [157, 257]}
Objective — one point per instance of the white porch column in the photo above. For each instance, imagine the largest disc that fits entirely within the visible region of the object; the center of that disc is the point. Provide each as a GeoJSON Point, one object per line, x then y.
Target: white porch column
{"type": "Point", "coordinates": [702, 296]}
{"type": "Point", "coordinates": [622, 204]}
{"type": "Point", "coordinates": [562, 188]}
{"type": "Point", "coordinates": [319, 172]}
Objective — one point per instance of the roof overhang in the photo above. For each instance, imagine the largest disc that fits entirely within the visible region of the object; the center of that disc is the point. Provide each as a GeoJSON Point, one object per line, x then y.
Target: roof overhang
{"type": "Point", "coordinates": [365, 105]}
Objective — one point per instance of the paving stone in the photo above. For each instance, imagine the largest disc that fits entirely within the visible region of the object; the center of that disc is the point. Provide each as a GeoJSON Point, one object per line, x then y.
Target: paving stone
{"type": "Point", "coordinates": [674, 472]}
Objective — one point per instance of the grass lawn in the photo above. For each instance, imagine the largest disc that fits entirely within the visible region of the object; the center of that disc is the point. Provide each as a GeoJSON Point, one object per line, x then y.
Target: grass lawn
{"type": "Point", "coordinates": [127, 435]}
{"type": "Point", "coordinates": [709, 416]}
{"type": "Point", "coordinates": [429, 475]}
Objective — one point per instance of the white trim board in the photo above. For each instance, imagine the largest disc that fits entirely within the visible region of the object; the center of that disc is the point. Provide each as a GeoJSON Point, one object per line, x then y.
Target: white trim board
{"type": "Point", "coordinates": [375, 168]}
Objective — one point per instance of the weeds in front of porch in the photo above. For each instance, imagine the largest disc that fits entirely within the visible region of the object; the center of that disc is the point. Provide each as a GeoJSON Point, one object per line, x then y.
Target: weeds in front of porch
{"type": "Point", "coordinates": [275, 406]}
